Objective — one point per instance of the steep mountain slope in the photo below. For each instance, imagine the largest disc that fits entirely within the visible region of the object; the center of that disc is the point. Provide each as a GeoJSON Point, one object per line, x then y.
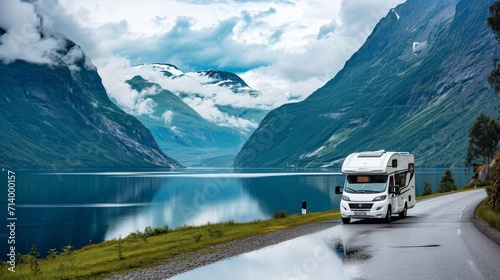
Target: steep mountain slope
{"type": "Point", "coordinates": [58, 115]}
{"type": "Point", "coordinates": [182, 133]}
{"type": "Point", "coordinates": [187, 118]}
{"type": "Point", "coordinates": [417, 85]}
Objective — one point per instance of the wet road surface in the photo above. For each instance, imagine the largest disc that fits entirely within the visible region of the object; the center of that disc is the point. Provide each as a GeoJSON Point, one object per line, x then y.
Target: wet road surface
{"type": "Point", "coordinates": [436, 241]}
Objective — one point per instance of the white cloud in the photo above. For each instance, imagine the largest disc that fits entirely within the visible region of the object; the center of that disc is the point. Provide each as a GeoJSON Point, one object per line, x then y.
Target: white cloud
{"type": "Point", "coordinates": [117, 71]}
{"type": "Point", "coordinates": [284, 48]}
{"type": "Point", "coordinates": [167, 116]}
{"type": "Point", "coordinates": [207, 109]}
{"type": "Point", "coordinates": [23, 39]}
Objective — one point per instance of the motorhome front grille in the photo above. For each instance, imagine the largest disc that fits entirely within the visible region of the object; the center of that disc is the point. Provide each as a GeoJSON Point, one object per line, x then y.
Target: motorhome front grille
{"type": "Point", "coordinates": [360, 206]}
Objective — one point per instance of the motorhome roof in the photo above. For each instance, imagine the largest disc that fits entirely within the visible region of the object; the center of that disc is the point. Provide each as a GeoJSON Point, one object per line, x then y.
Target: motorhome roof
{"type": "Point", "coordinates": [372, 154]}
{"type": "Point", "coordinates": [375, 162]}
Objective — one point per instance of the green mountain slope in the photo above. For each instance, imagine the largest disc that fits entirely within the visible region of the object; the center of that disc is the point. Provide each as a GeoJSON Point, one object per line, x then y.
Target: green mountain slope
{"type": "Point", "coordinates": [182, 133]}
{"type": "Point", "coordinates": [200, 118]}
{"type": "Point", "coordinates": [60, 117]}
{"type": "Point", "coordinates": [416, 85]}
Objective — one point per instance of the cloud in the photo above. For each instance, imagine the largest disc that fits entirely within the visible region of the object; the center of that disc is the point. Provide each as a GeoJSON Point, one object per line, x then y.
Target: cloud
{"type": "Point", "coordinates": [327, 29]}
{"type": "Point", "coordinates": [32, 35]}
{"type": "Point", "coordinates": [117, 71]}
{"type": "Point", "coordinates": [208, 110]}
{"type": "Point", "coordinates": [167, 116]}
{"type": "Point", "coordinates": [208, 48]}
{"type": "Point", "coordinates": [285, 49]}
{"type": "Point", "coordinates": [22, 39]}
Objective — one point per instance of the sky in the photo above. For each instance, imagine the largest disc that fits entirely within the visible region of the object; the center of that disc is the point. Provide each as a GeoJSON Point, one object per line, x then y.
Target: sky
{"type": "Point", "coordinates": [284, 48]}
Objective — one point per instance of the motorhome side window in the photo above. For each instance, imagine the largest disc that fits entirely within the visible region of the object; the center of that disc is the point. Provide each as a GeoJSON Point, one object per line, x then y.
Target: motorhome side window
{"type": "Point", "coordinates": [402, 179]}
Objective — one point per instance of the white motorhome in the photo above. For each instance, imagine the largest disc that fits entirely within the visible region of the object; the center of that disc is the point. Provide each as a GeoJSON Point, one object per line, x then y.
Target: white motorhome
{"type": "Point", "coordinates": [378, 184]}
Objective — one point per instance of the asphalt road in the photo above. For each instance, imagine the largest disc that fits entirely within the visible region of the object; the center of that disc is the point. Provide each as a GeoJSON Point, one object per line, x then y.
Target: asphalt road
{"type": "Point", "coordinates": [437, 240]}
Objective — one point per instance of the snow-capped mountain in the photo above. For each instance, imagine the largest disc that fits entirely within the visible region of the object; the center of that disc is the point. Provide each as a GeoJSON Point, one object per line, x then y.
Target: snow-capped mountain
{"type": "Point", "coordinates": [202, 118]}
{"type": "Point", "coordinates": [218, 96]}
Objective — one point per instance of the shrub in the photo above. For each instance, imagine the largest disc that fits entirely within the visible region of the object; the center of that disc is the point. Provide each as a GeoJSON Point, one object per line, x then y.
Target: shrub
{"type": "Point", "coordinates": [67, 250]}
{"type": "Point", "coordinates": [52, 253]}
{"type": "Point", "coordinates": [215, 232]}
{"type": "Point", "coordinates": [148, 232]}
{"type": "Point", "coordinates": [280, 214]}
{"type": "Point", "coordinates": [197, 237]}
{"type": "Point", "coordinates": [34, 259]}
{"type": "Point", "coordinates": [119, 248]}
{"type": "Point", "coordinates": [489, 190]}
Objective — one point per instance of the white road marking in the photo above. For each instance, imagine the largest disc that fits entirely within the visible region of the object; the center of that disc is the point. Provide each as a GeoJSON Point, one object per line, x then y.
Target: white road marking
{"type": "Point", "coordinates": [475, 270]}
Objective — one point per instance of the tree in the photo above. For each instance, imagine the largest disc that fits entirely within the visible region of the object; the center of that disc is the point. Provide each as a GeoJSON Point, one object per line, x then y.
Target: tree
{"type": "Point", "coordinates": [447, 183]}
{"type": "Point", "coordinates": [427, 189]}
{"type": "Point", "coordinates": [495, 189]}
{"type": "Point", "coordinates": [494, 81]}
{"type": "Point", "coordinates": [484, 136]}
{"type": "Point", "coordinates": [494, 23]}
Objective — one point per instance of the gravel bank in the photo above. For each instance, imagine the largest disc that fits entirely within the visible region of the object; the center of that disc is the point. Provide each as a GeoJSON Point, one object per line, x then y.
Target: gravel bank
{"type": "Point", "coordinates": [192, 260]}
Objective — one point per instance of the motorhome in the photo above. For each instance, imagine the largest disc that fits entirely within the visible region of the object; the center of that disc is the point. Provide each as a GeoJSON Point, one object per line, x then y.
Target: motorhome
{"type": "Point", "coordinates": [378, 184]}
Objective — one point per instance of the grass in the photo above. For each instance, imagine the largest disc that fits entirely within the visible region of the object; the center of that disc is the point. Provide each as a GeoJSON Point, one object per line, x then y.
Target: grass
{"type": "Point", "coordinates": [489, 215]}
{"type": "Point", "coordinates": [150, 248]}
{"type": "Point", "coordinates": [434, 194]}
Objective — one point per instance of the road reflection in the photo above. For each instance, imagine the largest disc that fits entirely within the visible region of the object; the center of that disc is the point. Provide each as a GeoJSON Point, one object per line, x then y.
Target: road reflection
{"type": "Point", "coordinates": [323, 255]}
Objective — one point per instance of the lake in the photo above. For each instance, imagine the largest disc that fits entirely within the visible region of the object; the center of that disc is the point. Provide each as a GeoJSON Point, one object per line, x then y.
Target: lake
{"type": "Point", "coordinates": [54, 209]}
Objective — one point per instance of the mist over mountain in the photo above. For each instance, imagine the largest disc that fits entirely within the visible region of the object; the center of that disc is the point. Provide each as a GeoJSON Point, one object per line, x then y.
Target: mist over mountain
{"type": "Point", "coordinates": [417, 85]}
{"type": "Point", "coordinates": [55, 112]}
{"type": "Point", "coordinates": [195, 116]}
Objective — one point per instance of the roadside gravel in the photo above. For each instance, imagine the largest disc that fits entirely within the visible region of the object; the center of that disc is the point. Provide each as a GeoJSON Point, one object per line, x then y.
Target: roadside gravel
{"type": "Point", "coordinates": [189, 261]}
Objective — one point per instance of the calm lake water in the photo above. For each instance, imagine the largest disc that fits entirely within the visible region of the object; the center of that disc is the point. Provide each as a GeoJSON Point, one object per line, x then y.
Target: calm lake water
{"type": "Point", "coordinates": [55, 209]}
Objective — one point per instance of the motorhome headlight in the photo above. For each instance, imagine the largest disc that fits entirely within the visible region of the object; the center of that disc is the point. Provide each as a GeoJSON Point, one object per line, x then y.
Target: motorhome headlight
{"type": "Point", "coordinates": [346, 198]}
{"type": "Point", "coordinates": [380, 198]}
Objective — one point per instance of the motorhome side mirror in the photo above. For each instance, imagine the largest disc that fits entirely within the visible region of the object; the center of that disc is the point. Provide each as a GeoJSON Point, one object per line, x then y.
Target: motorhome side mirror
{"type": "Point", "coordinates": [338, 190]}
{"type": "Point", "coordinates": [394, 190]}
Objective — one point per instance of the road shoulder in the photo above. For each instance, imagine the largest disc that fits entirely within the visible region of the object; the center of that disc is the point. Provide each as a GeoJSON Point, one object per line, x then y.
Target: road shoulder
{"type": "Point", "coordinates": [486, 229]}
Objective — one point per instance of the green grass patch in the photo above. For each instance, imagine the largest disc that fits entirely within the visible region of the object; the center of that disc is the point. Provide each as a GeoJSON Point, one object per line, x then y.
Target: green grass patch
{"type": "Point", "coordinates": [488, 215]}
{"type": "Point", "coordinates": [444, 193]}
{"type": "Point", "coordinates": [149, 248]}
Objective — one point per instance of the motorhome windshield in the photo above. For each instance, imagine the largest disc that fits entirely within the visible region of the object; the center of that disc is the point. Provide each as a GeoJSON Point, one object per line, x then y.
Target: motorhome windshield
{"type": "Point", "coordinates": [366, 183]}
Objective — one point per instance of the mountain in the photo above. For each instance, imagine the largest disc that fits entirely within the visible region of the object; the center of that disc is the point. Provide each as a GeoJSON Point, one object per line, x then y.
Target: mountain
{"type": "Point", "coordinates": [187, 119]}
{"type": "Point", "coordinates": [417, 85]}
{"type": "Point", "coordinates": [57, 115]}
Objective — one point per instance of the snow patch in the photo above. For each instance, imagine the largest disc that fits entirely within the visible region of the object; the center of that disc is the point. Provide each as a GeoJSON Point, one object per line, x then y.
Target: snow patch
{"type": "Point", "coordinates": [161, 67]}
{"type": "Point", "coordinates": [333, 115]}
{"type": "Point", "coordinates": [314, 153]}
{"type": "Point", "coordinates": [418, 47]}
{"type": "Point", "coordinates": [396, 13]}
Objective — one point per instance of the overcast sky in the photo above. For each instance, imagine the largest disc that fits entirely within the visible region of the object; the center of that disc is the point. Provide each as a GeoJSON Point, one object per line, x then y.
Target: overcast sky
{"type": "Point", "coordinates": [283, 48]}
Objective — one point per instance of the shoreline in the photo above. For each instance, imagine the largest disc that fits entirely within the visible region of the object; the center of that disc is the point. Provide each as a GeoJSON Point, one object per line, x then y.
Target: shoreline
{"type": "Point", "coordinates": [192, 260]}
{"type": "Point", "coordinates": [189, 261]}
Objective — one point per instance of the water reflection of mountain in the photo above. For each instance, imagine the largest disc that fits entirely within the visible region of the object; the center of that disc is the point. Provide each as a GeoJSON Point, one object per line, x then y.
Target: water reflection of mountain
{"type": "Point", "coordinates": [193, 200]}
{"type": "Point", "coordinates": [58, 210]}
{"type": "Point", "coordinates": [287, 193]}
